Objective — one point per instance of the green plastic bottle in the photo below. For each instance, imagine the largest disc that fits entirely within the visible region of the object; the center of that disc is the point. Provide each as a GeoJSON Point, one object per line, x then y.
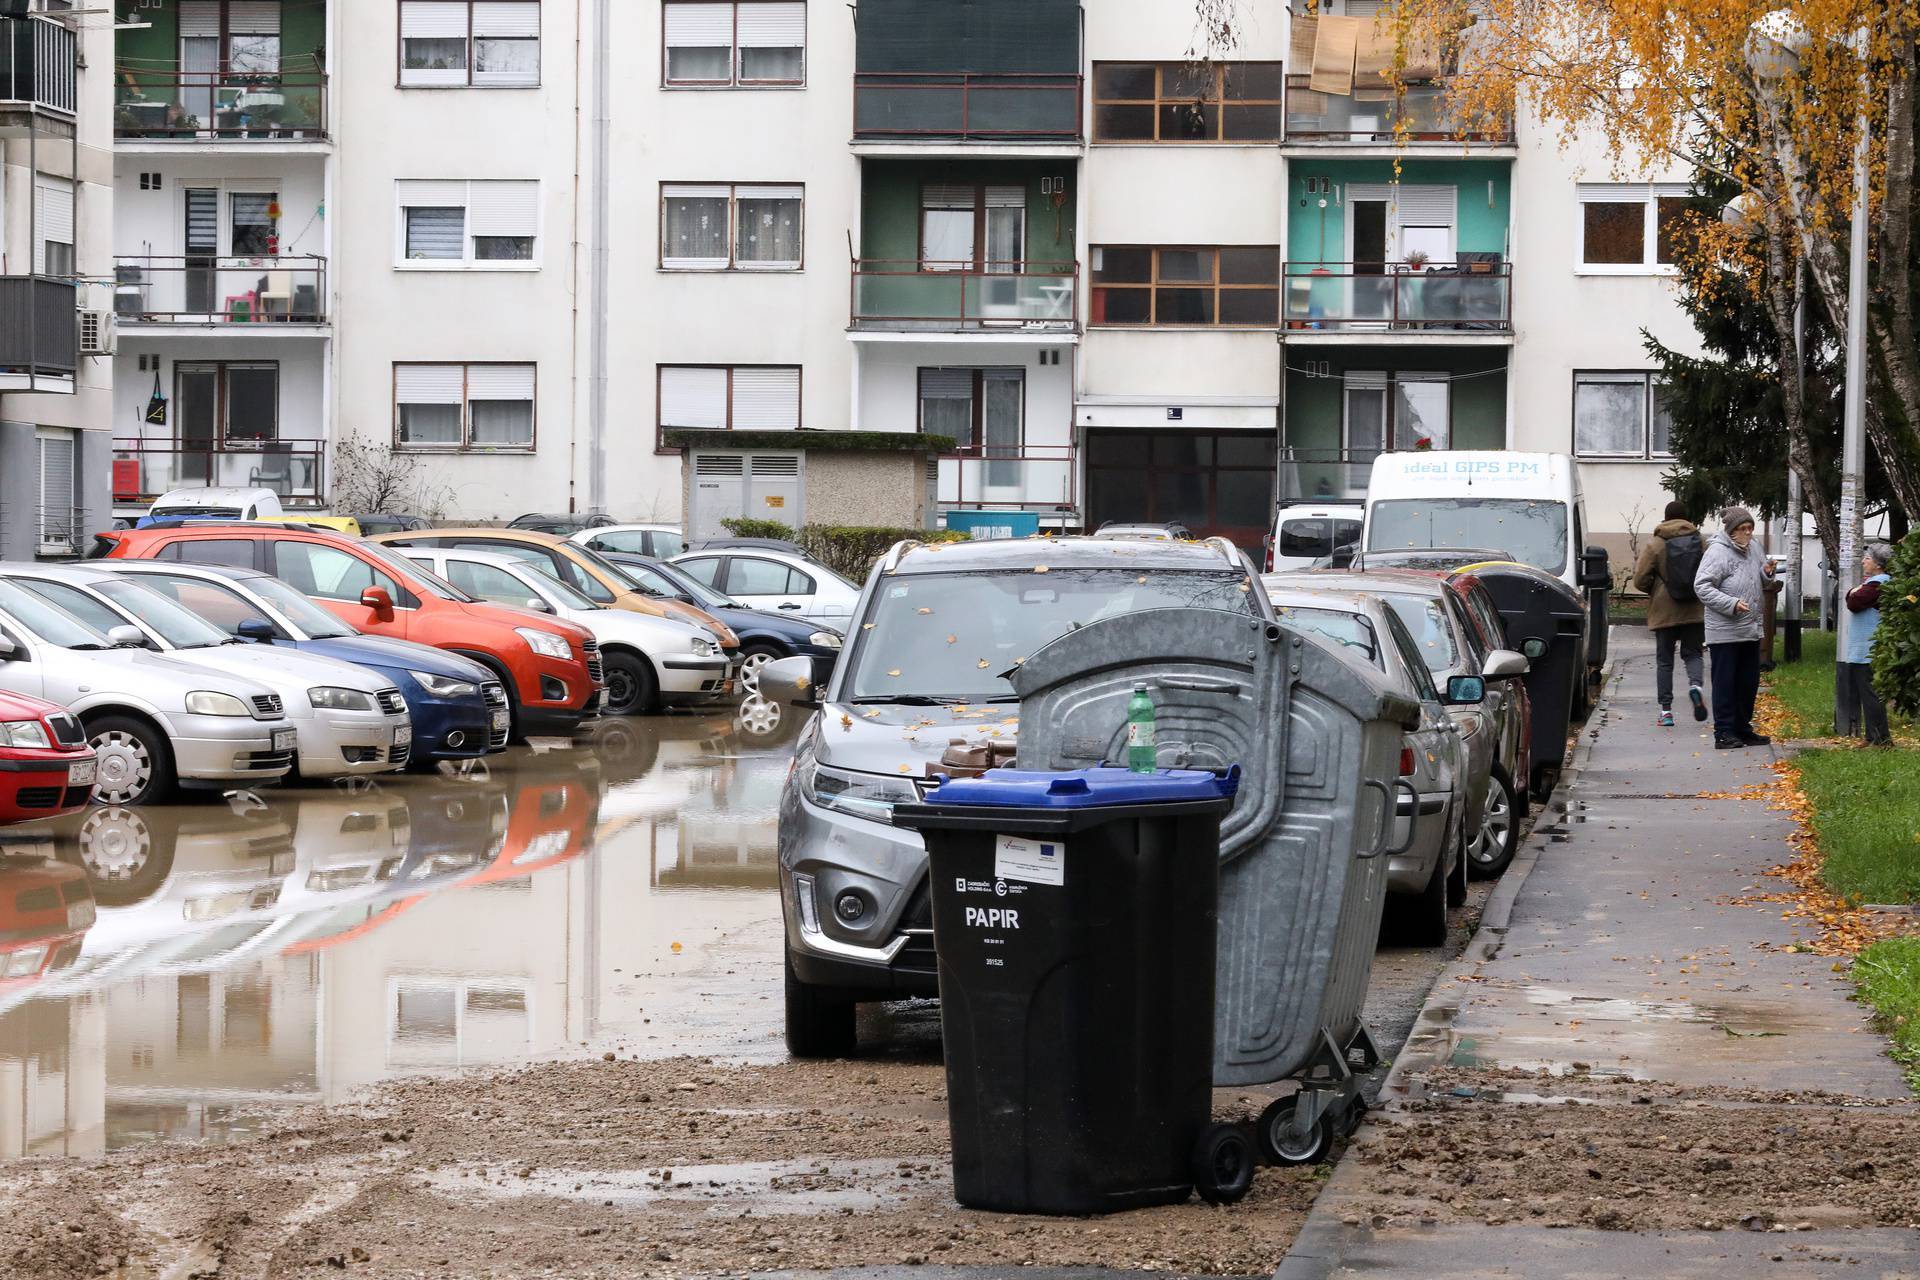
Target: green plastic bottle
{"type": "Point", "coordinates": [1140, 751]}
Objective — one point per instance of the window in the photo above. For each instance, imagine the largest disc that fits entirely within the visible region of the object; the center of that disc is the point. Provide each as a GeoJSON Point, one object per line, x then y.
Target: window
{"type": "Point", "coordinates": [328, 572]}
{"type": "Point", "coordinates": [983, 410]}
{"type": "Point", "coordinates": [735, 42]}
{"type": "Point", "coordinates": [950, 214]}
{"type": "Point", "coordinates": [463, 406]}
{"type": "Point", "coordinates": [730, 227]}
{"type": "Point", "coordinates": [1237, 285]}
{"type": "Point", "coordinates": [1417, 406]}
{"type": "Point", "coordinates": [254, 232]}
{"type": "Point", "coordinates": [1632, 227]}
{"type": "Point", "coordinates": [58, 515]}
{"type": "Point", "coordinates": [1621, 415]}
{"type": "Point", "coordinates": [705, 571]}
{"type": "Point", "coordinates": [53, 221]}
{"type": "Point", "coordinates": [230, 551]}
{"type": "Point", "coordinates": [483, 224]}
{"type": "Point", "coordinates": [729, 397]}
{"type": "Point", "coordinates": [484, 44]}
{"type": "Point", "coordinates": [221, 403]}
{"type": "Point", "coordinates": [749, 577]}
{"type": "Point", "coordinates": [1177, 102]}
{"type": "Point", "coordinates": [489, 582]}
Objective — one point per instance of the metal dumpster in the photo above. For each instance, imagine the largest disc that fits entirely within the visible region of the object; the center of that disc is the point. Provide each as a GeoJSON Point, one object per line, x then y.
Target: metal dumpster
{"type": "Point", "coordinates": [1318, 737]}
{"type": "Point", "coordinates": [1547, 621]}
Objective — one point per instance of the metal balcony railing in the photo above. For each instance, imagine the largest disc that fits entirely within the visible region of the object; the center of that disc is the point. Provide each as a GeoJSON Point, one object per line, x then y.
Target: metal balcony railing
{"type": "Point", "coordinates": [1330, 474]}
{"type": "Point", "coordinates": [293, 469]}
{"type": "Point", "coordinates": [966, 106]}
{"type": "Point", "coordinates": [1025, 475]}
{"type": "Point", "coordinates": [164, 103]}
{"type": "Point", "coordinates": [185, 289]}
{"type": "Point", "coordinates": [38, 63]}
{"type": "Point", "coordinates": [1474, 294]}
{"type": "Point", "coordinates": [908, 293]}
{"type": "Point", "coordinates": [39, 328]}
{"type": "Point", "coordinates": [1314, 116]}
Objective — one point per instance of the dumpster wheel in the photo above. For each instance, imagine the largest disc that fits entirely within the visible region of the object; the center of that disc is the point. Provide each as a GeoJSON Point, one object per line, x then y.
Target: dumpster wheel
{"type": "Point", "coordinates": [1282, 1146]}
{"type": "Point", "coordinates": [1222, 1164]}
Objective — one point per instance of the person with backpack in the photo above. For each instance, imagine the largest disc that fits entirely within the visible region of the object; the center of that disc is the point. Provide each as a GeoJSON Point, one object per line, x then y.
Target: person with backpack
{"type": "Point", "coordinates": [1856, 663]}
{"type": "Point", "coordinates": [1731, 582]}
{"type": "Point", "coordinates": [1664, 574]}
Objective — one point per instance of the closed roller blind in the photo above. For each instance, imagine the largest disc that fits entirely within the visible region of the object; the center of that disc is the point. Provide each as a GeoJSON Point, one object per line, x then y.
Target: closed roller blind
{"type": "Point", "coordinates": [433, 20]}
{"type": "Point", "coordinates": [1366, 381]}
{"type": "Point", "coordinates": [499, 382]}
{"type": "Point", "coordinates": [767, 193]}
{"type": "Point", "coordinates": [781, 25]}
{"type": "Point", "coordinates": [946, 195]}
{"type": "Point", "coordinates": [699, 25]}
{"type": "Point", "coordinates": [688, 191]}
{"type": "Point", "coordinates": [504, 208]}
{"type": "Point", "coordinates": [414, 192]}
{"type": "Point", "coordinates": [199, 18]}
{"type": "Point", "coordinates": [766, 399]}
{"type": "Point", "coordinates": [427, 383]}
{"type": "Point", "coordinates": [254, 17]}
{"type": "Point", "coordinates": [56, 491]}
{"type": "Point", "coordinates": [1006, 197]}
{"type": "Point", "coordinates": [506, 19]}
{"type": "Point", "coordinates": [946, 384]}
{"type": "Point", "coordinates": [693, 397]}
{"type": "Point", "coordinates": [55, 210]}
{"type": "Point", "coordinates": [1613, 193]}
{"type": "Point", "coordinates": [1426, 206]}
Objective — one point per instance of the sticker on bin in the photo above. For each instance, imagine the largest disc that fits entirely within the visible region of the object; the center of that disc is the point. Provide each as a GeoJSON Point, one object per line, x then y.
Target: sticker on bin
{"type": "Point", "coordinates": [1035, 861]}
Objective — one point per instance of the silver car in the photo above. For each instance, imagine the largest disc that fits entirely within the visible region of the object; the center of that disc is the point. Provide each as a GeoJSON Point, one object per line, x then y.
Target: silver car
{"type": "Point", "coordinates": [155, 723]}
{"type": "Point", "coordinates": [349, 720]}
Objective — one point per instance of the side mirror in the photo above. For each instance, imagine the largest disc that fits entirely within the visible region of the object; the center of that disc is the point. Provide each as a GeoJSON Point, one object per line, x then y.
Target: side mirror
{"type": "Point", "coordinates": [789, 680]}
{"type": "Point", "coordinates": [1505, 664]}
{"type": "Point", "coordinates": [127, 636]}
{"type": "Point", "coordinates": [377, 599]}
{"type": "Point", "coordinates": [256, 630]}
{"type": "Point", "coordinates": [8, 649]}
{"type": "Point", "coordinates": [1464, 691]}
{"type": "Point", "coordinates": [538, 605]}
{"type": "Point", "coordinates": [1533, 647]}
{"type": "Point", "coordinates": [1594, 570]}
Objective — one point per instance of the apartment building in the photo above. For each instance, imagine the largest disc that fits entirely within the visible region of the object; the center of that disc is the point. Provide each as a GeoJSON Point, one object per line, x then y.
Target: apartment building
{"type": "Point", "coordinates": [56, 190]}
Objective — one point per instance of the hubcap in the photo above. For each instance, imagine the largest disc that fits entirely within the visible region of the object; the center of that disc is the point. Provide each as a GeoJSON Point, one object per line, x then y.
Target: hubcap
{"type": "Point", "coordinates": [114, 843]}
{"type": "Point", "coordinates": [750, 669]}
{"type": "Point", "coordinates": [758, 716]}
{"type": "Point", "coordinates": [1493, 828]}
{"type": "Point", "coordinates": [125, 768]}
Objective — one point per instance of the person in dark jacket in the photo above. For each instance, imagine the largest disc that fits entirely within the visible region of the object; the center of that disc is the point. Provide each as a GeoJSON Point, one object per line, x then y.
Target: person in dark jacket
{"type": "Point", "coordinates": [1673, 623]}
{"type": "Point", "coordinates": [1732, 584]}
{"type": "Point", "coordinates": [1856, 660]}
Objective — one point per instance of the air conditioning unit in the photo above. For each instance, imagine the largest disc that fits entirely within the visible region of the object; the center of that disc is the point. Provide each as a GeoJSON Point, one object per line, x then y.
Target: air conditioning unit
{"type": "Point", "coordinates": [98, 333]}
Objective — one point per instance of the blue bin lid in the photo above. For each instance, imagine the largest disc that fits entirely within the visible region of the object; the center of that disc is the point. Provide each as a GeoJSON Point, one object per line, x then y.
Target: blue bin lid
{"type": "Point", "coordinates": [1084, 788]}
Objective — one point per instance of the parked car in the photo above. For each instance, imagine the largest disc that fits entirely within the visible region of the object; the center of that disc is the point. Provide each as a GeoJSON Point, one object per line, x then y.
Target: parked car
{"type": "Point", "coordinates": [656, 540]}
{"type": "Point", "coordinates": [1309, 530]}
{"type": "Point", "coordinates": [774, 580]}
{"type": "Point", "coordinates": [459, 708]}
{"type": "Point", "coordinates": [344, 525]}
{"type": "Point", "coordinates": [1147, 532]}
{"type": "Point", "coordinates": [650, 662]}
{"type": "Point", "coordinates": [1427, 559]}
{"type": "Point", "coordinates": [349, 720]}
{"type": "Point", "coordinates": [1427, 863]}
{"type": "Point", "coordinates": [1492, 730]}
{"type": "Point", "coordinates": [46, 766]}
{"type": "Point", "coordinates": [154, 724]}
{"type": "Point", "coordinates": [764, 637]}
{"type": "Point", "coordinates": [751, 544]}
{"type": "Point", "coordinates": [1492, 630]}
{"type": "Point", "coordinates": [563, 523]}
{"type": "Point", "coordinates": [45, 912]}
{"type": "Point", "coordinates": [933, 636]}
{"type": "Point", "coordinates": [220, 503]}
{"type": "Point", "coordinates": [550, 668]}
{"type": "Point", "coordinates": [377, 522]}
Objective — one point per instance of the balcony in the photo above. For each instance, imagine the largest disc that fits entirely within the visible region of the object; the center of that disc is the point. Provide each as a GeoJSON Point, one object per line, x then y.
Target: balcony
{"type": "Point", "coordinates": [261, 295]}
{"type": "Point", "coordinates": [39, 331]}
{"type": "Point", "coordinates": [37, 70]}
{"type": "Point", "coordinates": [294, 469]}
{"type": "Point", "coordinates": [1472, 295]}
{"type": "Point", "coordinates": [1029, 476]}
{"type": "Point", "coordinates": [966, 106]}
{"type": "Point", "coordinates": [1420, 114]}
{"type": "Point", "coordinates": [1333, 474]}
{"type": "Point", "coordinates": [167, 105]}
{"type": "Point", "coordinates": [917, 295]}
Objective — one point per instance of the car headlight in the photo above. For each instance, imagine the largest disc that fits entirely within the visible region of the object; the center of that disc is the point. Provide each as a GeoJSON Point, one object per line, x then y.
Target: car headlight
{"type": "Point", "coordinates": [24, 733]}
{"type": "Point", "coordinates": [205, 702]}
{"type": "Point", "coordinates": [444, 686]}
{"type": "Point", "coordinates": [860, 795]}
{"type": "Point", "coordinates": [333, 698]}
{"type": "Point", "coordinates": [544, 643]}
{"type": "Point", "coordinates": [24, 963]}
{"type": "Point", "coordinates": [825, 639]}
{"type": "Point", "coordinates": [704, 647]}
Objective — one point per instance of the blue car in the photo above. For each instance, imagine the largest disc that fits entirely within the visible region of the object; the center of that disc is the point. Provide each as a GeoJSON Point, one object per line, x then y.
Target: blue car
{"type": "Point", "coordinates": [764, 636]}
{"type": "Point", "coordinates": [459, 708]}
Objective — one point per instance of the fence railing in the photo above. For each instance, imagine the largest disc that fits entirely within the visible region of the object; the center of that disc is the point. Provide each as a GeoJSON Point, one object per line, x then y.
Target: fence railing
{"type": "Point", "coordinates": [293, 469]}
{"type": "Point", "coordinates": [166, 103]}
{"type": "Point", "coordinates": [1472, 294]}
{"type": "Point", "coordinates": [38, 64]}
{"type": "Point", "coordinates": [187, 289]}
{"type": "Point", "coordinates": [1418, 114]}
{"type": "Point", "coordinates": [966, 106]}
{"type": "Point", "coordinates": [1332, 474]}
{"type": "Point", "coordinates": [1026, 475]}
{"type": "Point", "coordinates": [39, 329]}
{"type": "Point", "coordinates": [912, 293]}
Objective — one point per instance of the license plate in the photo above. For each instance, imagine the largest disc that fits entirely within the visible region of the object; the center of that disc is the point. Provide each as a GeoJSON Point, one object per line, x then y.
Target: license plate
{"type": "Point", "coordinates": [402, 735]}
{"type": "Point", "coordinates": [81, 773]}
{"type": "Point", "coordinates": [600, 701]}
{"type": "Point", "coordinates": [283, 739]}
{"type": "Point", "coordinates": [79, 915]}
{"type": "Point", "coordinates": [501, 720]}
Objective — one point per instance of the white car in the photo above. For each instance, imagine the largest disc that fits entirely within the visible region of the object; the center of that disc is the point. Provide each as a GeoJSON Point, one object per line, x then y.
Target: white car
{"type": "Point", "coordinates": [649, 661]}
{"type": "Point", "coordinates": [774, 580]}
{"type": "Point", "coordinates": [655, 541]}
{"type": "Point", "coordinates": [348, 719]}
{"type": "Point", "coordinates": [216, 503]}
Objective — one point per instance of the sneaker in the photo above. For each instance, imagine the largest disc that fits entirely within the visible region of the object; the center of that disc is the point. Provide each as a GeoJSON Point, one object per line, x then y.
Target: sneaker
{"type": "Point", "coordinates": [1752, 739]}
{"type": "Point", "coordinates": [1666, 719]}
{"type": "Point", "coordinates": [1721, 743]}
{"type": "Point", "coordinates": [1699, 702]}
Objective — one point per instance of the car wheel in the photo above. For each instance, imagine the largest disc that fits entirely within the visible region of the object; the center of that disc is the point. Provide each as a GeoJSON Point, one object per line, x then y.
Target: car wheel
{"type": "Point", "coordinates": [631, 686]}
{"type": "Point", "coordinates": [123, 861]}
{"type": "Point", "coordinates": [751, 660]}
{"type": "Point", "coordinates": [135, 763]}
{"type": "Point", "coordinates": [819, 1020]}
{"type": "Point", "coordinates": [1498, 839]}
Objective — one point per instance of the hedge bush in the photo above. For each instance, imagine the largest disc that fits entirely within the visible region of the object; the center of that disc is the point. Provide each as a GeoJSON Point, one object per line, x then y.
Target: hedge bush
{"type": "Point", "coordinates": [1896, 645]}
{"type": "Point", "coordinates": [852, 550]}
{"type": "Point", "coordinates": [749, 527]}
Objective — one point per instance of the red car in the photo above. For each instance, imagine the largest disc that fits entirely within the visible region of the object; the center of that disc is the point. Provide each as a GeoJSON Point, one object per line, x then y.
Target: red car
{"type": "Point", "coordinates": [46, 766]}
{"type": "Point", "coordinates": [551, 668]}
{"type": "Point", "coordinates": [45, 909]}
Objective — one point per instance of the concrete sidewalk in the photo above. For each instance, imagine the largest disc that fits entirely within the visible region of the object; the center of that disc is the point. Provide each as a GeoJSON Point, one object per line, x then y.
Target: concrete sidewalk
{"type": "Point", "coordinates": [1622, 952]}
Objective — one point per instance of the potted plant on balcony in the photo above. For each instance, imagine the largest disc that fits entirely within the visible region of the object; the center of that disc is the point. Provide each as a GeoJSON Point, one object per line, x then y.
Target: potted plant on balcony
{"type": "Point", "coordinates": [1417, 259]}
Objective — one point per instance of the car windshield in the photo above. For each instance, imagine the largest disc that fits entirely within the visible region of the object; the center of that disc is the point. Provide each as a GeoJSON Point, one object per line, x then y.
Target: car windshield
{"type": "Point", "coordinates": [419, 573]}
{"type": "Point", "coordinates": [565, 594]}
{"type": "Point", "coordinates": [178, 513]}
{"type": "Point", "coordinates": [1426, 621]}
{"type": "Point", "coordinates": [1349, 629]}
{"type": "Point", "coordinates": [667, 577]}
{"type": "Point", "coordinates": [172, 622]}
{"type": "Point", "coordinates": [952, 636]}
{"type": "Point", "coordinates": [303, 613]}
{"type": "Point", "coordinates": [53, 624]}
{"type": "Point", "coordinates": [1534, 531]}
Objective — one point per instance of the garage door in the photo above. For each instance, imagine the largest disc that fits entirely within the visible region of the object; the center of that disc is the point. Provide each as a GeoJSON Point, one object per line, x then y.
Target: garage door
{"type": "Point", "coordinates": [1214, 482]}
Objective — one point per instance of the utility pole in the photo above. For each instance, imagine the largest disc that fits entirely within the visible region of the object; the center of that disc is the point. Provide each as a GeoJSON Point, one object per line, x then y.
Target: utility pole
{"type": "Point", "coordinates": [1854, 408]}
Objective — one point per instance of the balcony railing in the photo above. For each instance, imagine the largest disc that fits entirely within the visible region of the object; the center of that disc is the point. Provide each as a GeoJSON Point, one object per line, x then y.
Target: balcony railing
{"type": "Point", "coordinates": [1471, 295]}
{"type": "Point", "coordinates": [294, 469]}
{"type": "Point", "coordinates": [39, 330]}
{"type": "Point", "coordinates": [37, 66]}
{"type": "Point", "coordinates": [952, 297]}
{"type": "Point", "coordinates": [280, 106]}
{"type": "Point", "coordinates": [220, 291]}
{"type": "Point", "coordinates": [1317, 117]}
{"type": "Point", "coordinates": [966, 106]}
{"type": "Point", "coordinates": [1332, 474]}
{"type": "Point", "coordinates": [1029, 475]}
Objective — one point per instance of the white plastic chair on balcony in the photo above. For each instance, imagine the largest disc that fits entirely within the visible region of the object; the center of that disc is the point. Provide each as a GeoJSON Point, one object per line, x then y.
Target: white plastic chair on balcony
{"type": "Point", "coordinates": [276, 297]}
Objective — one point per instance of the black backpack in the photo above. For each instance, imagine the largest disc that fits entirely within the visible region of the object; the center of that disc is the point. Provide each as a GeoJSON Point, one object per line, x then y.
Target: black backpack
{"type": "Point", "coordinates": [1683, 561]}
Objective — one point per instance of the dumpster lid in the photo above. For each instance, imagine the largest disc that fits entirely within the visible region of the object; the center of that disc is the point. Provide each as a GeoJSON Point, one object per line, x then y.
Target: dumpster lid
{"type": "Point", "coordinates": [1084, 788]}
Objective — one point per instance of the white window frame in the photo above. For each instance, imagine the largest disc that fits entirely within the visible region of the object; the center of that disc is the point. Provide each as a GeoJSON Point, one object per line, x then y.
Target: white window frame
{"type": "Point", "coordinates": [734, 79]}
{"type": "Point", "coordinates": [1648, 196]}
{"type": "Point", "coordinates": [733, 261]}
{"type": "Point", "coordinates": [732, 405]}
{"type": "Point", "coordinates": [68, 517]}
{"type": "Point", "coordinates": [1650, 383]}
{"type": "Point", "coordinates": [460, 192]}
{"type": "Point", "coordinates": [466, 443]}
{"type": "Point", "coordinates": [1388, 383]}
{"type": "Point", "coordinates": [467, 73]}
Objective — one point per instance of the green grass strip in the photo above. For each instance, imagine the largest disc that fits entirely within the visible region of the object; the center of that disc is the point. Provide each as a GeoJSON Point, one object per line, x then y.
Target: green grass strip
{"type": "Point", "coordinates": [1866, 815]}
{"type": "Point", "coordinates": [1888, 976]}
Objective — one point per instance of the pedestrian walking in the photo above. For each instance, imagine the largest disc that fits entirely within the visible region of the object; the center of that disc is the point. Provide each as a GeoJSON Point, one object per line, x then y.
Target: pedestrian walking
{"type": "Point", "coordinates": [1731, 583]}
{"type": "Point", "coordinates": [1856, 663]}
{"type": "Point", "coordinates": [1664, 574]}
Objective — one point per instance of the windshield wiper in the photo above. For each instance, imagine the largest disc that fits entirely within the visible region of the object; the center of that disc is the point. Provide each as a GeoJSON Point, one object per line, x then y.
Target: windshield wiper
{"type": "Point", "coordinates": [907, 700]}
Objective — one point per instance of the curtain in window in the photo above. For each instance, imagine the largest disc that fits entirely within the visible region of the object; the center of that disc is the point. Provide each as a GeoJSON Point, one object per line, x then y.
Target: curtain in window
{"type": "Point", "coordinates": [506, 42]}
{"type": "Point", "coordinates": [946, 227]}
{"type": "Point", "coordinates": [1421, 407]}
{"type": "Point", "coordinates": [433, 42]}
{"type": "Point", "coordinates": [1002, 404]}
{"type": "Point", "coordinates": [769, 226]}
{"type": "Point", "coordinates": [1366, 414]}
{"type": "Point", "coordinates": [694, 227]}
{"type": "Point", "coordinates": [1006, 228]}
{"type": "Point", "coordinates": [1609, 415]}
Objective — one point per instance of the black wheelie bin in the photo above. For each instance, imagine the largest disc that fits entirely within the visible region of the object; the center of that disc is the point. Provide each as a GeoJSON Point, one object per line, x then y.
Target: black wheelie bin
{"type": "Point", "coordinates": [1546, 620]}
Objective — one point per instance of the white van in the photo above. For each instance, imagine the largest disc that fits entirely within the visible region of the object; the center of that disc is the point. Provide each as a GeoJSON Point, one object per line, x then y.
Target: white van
{"type": "Point", "coordinates": [216, 503]}
{"type": "Point", "coordinates": [1310, 531]}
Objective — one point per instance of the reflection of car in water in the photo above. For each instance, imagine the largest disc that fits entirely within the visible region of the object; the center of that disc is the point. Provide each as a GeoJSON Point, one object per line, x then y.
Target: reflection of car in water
{"type": "Point", "coordinates": [45, 910]}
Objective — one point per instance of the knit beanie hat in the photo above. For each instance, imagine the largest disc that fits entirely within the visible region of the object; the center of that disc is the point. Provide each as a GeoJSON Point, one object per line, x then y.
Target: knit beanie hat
{"type": "Point", "coordinates": [1733, 517]}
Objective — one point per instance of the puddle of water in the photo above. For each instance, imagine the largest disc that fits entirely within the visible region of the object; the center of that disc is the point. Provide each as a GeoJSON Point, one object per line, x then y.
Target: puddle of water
{"type": "Point", "coordinates": [764, 1187]}
{"type": "Point", "coordinates": [170, 972]}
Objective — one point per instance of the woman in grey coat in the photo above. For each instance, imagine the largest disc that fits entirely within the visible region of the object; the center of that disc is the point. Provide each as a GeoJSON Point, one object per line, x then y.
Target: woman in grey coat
{"type": "Point", "coordinates": [1732, 584]}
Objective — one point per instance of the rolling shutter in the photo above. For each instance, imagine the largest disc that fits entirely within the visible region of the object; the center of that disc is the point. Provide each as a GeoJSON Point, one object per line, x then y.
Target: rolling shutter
{"type": "Point", "coordinates": [693, 397]}
{"type": "Point", "coordinates": [781, 25]}
{"type": "Point", "coordinates": [1006, 197]}
{"type": "Point", "coordinates": [428, 383]}
{"type": "Point", "coordinates": [503, 208]}
{"type": "Point", "coordinates": [1426, 206]}
{"type": "Point", "coordinates": [690, 191]}
{"type": "Point", "coordinates": [699, 26]}
{"type": "Point", "coordinates": [56, 491]}
{"type": "Point", "coordinates": [53, 214]}
{"type": "Point", "coordinates": [199, 18]}
{"type": "Point", "coordinates": [766, 193]}
{"type": "Point", "coordinates": [500, 382]}
{"type": "Point", "coordinates": [1613, 193]}
{"type": "Point", "coordinates": [946, 384]}
{"type": "Point", "coordinates": [506, 20]}
{"type": "Point", "coordinates": [766, 399]}
{"type": "Point", "coordinates": [947, 195]}
{"type": "Point", "coordinates": [433, 20]}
